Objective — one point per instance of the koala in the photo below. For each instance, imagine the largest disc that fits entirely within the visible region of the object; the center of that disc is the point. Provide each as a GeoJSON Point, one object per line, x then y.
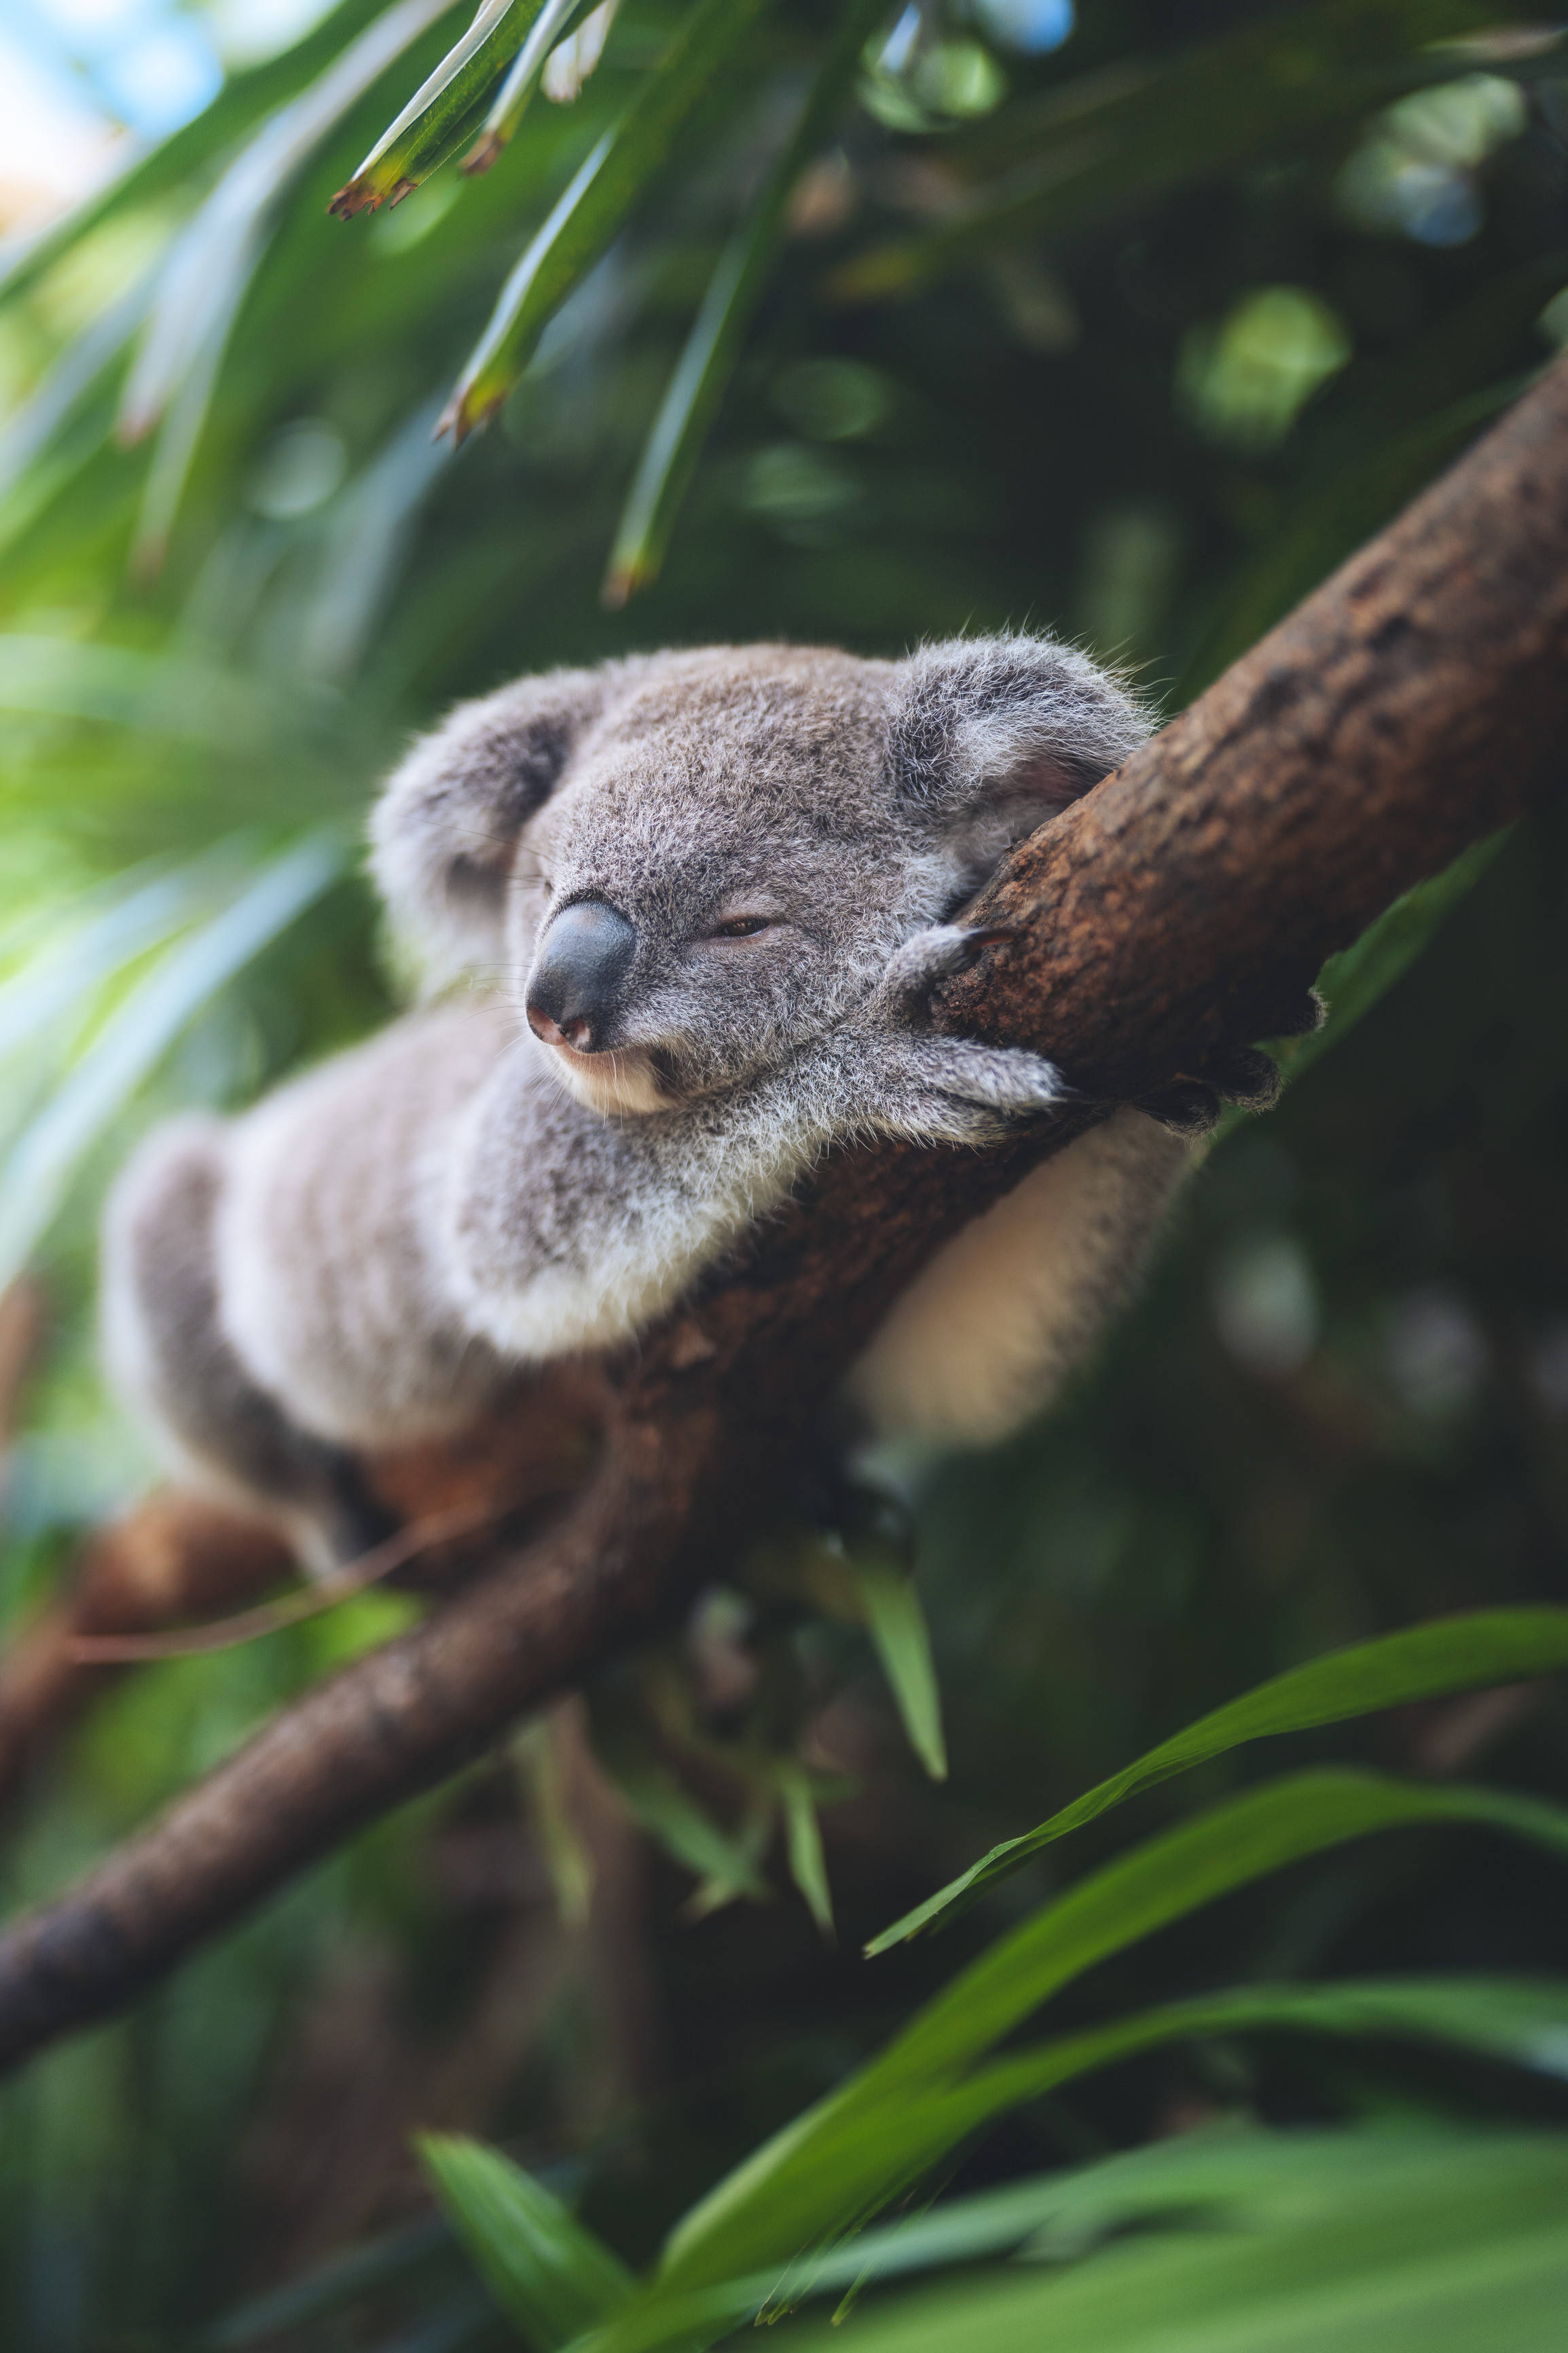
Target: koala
{"type": "Point", "coordinates": [695, 901]}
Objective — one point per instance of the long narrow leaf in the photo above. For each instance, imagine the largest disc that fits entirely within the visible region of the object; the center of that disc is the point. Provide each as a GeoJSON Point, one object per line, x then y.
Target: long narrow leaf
{"type": "Point", "coordinates": [714, 349]}
{"type": "Point", "coordinates": [61, 978]}
{"type": "Point", "coordinates": [554, 21]}
{"type": "Point", "coordinates": [1451, 2247]}
{"type": "Point", "coordinates": [595, 208]}
{"type": "Point", "coordinates": [34, 1179]}
{"type": "Point", "coordinates": [166, 695]}
{"type": "Point", "coordinates": [552, 2277]}
{"type": "Point", "coordinates": [802, 1842]}
{"type": "Point", "coordinates": [1116, 138]}
{"type": "Point", "coordinates": [29, 430]}
{"type": "Point", "coordinates": [659, 1802]}
{"type": "Point", "coordinates": [863, 2142]}
{"type": "Point", "coordinates": [210, 265]}
{"type": "Point", "coordinates": [406, 151]}
{"type": "Point", "coordinates": [1452, 1654]}
{"type": "Point", "coordinates": [897, 1626]}
{"type": "Point", "coordinates": [1521, 2021]}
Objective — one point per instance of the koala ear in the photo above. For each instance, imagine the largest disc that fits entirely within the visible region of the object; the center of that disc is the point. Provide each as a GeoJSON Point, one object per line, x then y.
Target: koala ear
{"type": "Point", "coordinates": [992, 735]}
{"type": "Point", "coordinates": [444, 832]}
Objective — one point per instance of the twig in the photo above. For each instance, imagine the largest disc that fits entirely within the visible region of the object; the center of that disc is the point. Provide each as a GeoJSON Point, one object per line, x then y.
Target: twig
{"type": "Point", "coordinates": [248, 1625]}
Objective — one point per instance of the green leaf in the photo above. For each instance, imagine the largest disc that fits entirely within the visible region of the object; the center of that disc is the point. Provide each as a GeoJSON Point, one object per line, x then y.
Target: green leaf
{"type": "Point", "coordinates": [39, 1167]}
{"type": "Point", "coordinates": [1103, 143]}
{"type": "Point", "coordinates": [551, 2276]}
{"type": "Point", "coordinates": [1352, 982]}
{"type": "Point", "coordinates": [665, 1808]}
{"type": "Point", "coordinates": [897, 1626]}
{"type": "Point", "coordinates": [593, 208]}
{"type": "Point", "coordinates": [1451, 1654]}
{"type": "Point", "coordinates": [1524, 2023]}
{"type": "Point", "coordinates": [568, 1857]}
{"type": "Point", "coordinates": [555, 20]}
{"type": "Point", "coordinates": [208, 268]}
{"type": "Point", "coordinates": [91, 944]}
{"type": "Point", "coordinates": [162, 693]}
{"type": "Point", "coordinates": [1417, 2245]}
{"type": "Point", "coordinates": [30, 428]}
{"type": "Point", "coordinates": [803, 1842]}
{"type": "Point", "coordinates": [883, 2127]}
{"type": "Point", "coordinates": [703, 372]}
{"type": "Point", "coordinates": [437, 118]}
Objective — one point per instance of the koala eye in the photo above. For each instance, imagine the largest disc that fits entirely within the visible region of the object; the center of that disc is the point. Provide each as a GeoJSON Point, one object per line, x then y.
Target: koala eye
{"type": "Point", "coordinates": [740, 928]}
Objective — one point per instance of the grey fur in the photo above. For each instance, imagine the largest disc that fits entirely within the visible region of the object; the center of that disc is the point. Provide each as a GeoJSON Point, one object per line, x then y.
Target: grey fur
{"type": "Point", "coordinates": [383, 1241]}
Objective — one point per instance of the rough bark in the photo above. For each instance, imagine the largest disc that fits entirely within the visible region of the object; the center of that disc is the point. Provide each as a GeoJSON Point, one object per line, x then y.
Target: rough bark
{"type": "Point", "coordinates": [1415, 701]}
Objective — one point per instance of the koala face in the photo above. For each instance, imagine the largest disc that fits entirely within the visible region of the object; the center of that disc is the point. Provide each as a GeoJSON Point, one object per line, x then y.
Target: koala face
{"type": "Point", "coordinates": [689, 864]}
{"type": "Point", "coordinates": [717, 877]}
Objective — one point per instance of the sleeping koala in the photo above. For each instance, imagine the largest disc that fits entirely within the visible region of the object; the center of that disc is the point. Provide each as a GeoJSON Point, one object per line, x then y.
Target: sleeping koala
{"type": "Point", "coordinates": [708, 893]}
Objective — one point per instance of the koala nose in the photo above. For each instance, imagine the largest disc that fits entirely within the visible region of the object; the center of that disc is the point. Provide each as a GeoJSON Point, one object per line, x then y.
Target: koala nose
{"type": "Point", "coordinates": [574, 987]}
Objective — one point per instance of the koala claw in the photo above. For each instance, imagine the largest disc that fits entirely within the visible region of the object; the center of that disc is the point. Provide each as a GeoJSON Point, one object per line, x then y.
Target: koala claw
{"type": "Point", "coordinates": [935, 954]}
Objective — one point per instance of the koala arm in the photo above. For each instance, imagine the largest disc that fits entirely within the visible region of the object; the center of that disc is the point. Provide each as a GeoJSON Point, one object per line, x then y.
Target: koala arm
{"type": "Point", "coordinates": [566, 1231]}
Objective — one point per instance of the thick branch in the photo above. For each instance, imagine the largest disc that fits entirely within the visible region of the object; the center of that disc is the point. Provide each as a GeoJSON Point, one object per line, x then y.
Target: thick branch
{"type": "Point", "coordinates": [1415, 702]}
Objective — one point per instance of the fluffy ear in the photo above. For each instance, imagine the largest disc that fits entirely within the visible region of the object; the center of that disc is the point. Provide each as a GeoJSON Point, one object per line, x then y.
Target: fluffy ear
{"type": "Point", "coordinates": [992, 735]}
{"type": "Point", "coordinates": [444, 832]}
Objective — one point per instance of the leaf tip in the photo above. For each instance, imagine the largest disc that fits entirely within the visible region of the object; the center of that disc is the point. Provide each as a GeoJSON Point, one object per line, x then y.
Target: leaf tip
{"type": "Point", "coordinates": [484, 152]}
{"type": "Point", "coordinates": [460, 417]}
{"type": "Point", "coordinates": [353, 196]}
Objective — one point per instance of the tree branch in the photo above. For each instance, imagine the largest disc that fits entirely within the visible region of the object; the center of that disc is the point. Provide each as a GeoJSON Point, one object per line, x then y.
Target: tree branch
{"type": "Point", "coordinates": [1415, 701]}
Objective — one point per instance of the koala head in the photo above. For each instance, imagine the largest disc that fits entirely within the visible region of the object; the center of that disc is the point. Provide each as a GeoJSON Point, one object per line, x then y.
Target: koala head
{"type": "Point", "coordinates": [688, 864]}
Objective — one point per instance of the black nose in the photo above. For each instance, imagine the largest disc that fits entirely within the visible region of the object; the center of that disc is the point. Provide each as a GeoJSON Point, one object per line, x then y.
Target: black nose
{"type": "Point", "coordinates": [574, 987]}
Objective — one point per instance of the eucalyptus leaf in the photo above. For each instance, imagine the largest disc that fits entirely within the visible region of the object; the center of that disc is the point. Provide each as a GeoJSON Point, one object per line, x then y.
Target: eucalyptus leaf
{"type": "Point", "coordinates": [594, 207]}
{"type": "Point", "coordinates": [862, 2143]}
{"type": "Point", "coordinates": [551, 2276]}
{"type": "Point", "coordinates": [898, 1628]}
{"type": "Point", "coordinates": [803, 1842]}
{"type": "Point", "coordinates": [208, 271]}
{"type": "Point", "coordinates": [1108, 141]}
{"type": "Point", "coordinates": [39, 1169]}
{"type": "Point", "coordinates": [1522, 2023]}
{"type": "Point", "coordinates": [435, 117]}
{"type": "Point", "coordinates": [556, 19]}
{"type": "Point", "coordinates": [714, 349]}
{"type": "Point", "coordinates": [1414, 2246]}
{"type": "Point", "coordinates": [1451, 1654]}
{"type": "Point", "coordinates": [671, 1814]}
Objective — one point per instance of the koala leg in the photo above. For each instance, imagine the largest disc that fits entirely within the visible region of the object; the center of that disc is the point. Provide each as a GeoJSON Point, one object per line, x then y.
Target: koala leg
{"type": "Point", "coordinates": [168, 1355]}
{"type": "Point", "coordinates": [986, 1334]}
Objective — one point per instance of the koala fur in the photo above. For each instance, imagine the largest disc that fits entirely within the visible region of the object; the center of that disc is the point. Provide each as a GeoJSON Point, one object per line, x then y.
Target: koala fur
{"type": "Point", "coordinates": [702, 896]}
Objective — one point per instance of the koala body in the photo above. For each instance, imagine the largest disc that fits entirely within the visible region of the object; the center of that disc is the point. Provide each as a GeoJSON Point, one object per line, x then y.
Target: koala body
{"type": "Point", "coordinates": [703, 895]}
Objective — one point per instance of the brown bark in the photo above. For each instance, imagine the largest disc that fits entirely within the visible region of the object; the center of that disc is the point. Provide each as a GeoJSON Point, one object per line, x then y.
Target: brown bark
{"type": "Point", "coordinates": [1417, 701]}
{"type": "Point", "coordinates": [177, 1558]}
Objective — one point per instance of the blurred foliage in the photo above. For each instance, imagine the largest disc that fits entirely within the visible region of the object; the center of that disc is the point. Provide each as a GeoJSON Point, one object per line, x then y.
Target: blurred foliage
{"type": "Point", "coordinates": [1132, 325]}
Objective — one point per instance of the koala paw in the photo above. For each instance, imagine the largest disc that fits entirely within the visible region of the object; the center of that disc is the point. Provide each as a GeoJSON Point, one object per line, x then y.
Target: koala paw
{"type": "Point", "coordinates": [952, 1090]}
{"type": "Point", "coordinates": [913, 970]}
{"type": "Point", "coordinates": [1003, 1078]}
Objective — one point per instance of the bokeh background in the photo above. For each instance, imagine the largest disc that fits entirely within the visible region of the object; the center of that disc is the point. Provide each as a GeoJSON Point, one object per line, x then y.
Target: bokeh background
{"type": "Point", "coordinates": [1129, 322]}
